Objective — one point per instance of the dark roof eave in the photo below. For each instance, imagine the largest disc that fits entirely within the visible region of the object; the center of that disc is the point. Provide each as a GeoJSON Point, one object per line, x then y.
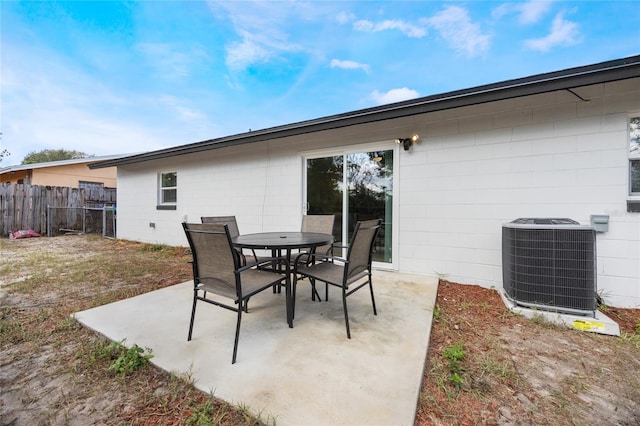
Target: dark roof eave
{"type": "Point", "coordinates": [620, 69]}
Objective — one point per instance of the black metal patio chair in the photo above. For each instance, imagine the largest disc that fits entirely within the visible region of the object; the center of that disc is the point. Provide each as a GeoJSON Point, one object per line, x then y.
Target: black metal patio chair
{"type": "Point", "coordinates": [321, 223]}
{"type": "Point", "coordinates": [342, 272]}
{"type": "Point", "coordinates": [218, 273]}
{"type": "Point", "coordinates": [234, 231]}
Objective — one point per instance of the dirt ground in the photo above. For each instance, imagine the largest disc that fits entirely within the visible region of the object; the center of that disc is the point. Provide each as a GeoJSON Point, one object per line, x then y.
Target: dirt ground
{"type": "Point", "coordinates": [527, 372]}
{"type": "Point", "coordinates": [485, 365]}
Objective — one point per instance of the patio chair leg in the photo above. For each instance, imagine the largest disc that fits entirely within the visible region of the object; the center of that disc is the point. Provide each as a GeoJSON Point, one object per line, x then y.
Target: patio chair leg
{"type": "Point", "coordinates": [293, 297]}
{"type": "Point", "coordinates": [346, 313]}
{"type": "Point", "coordinates": [314, 290]}
{"type": "Point", "coordinates": [235, 343]}
{"type": "Point", "coordinates": [312, 281]}
{"type": "Point", "coordinates": [193, 314]}
{"type": "Point", "coordinates": [373, 300]}
{"type": "Point", "coordinates": [287, 286]}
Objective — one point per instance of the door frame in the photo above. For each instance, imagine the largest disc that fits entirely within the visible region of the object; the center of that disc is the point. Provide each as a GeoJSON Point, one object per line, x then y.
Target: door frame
{"type": "Point", "coordinates": [388, 145]}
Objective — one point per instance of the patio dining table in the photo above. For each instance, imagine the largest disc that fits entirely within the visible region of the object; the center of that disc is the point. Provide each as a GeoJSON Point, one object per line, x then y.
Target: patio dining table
{"type": "Point", "coordinates": [279, 242]}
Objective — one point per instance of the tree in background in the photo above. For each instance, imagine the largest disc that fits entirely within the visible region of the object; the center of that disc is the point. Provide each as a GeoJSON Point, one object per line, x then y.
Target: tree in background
{"type": "Point", "coordinates": [47, 155]}
{"type": "Point", "coordinates": [4, 153]}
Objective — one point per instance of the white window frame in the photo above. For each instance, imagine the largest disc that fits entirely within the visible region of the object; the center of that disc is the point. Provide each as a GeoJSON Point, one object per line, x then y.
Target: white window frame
{"type": "Point", "coordinates": [162, 189]}
{"type": "Point", "coordinates": [633, 151]}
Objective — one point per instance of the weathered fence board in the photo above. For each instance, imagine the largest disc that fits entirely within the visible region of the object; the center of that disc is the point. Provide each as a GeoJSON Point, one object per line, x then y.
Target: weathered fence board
{"type": "Point", "coordinates": [25, 207]}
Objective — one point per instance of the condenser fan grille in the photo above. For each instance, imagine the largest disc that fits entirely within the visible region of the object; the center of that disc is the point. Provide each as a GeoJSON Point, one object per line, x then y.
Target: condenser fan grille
{"type": "Point", "coordinates": [550, 265]}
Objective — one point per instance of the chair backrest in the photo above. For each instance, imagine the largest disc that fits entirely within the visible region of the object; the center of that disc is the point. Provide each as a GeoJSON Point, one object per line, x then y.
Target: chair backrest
{"type": "Point", "coordinates": [214, 261]}
{"type": "Point", "coordinates": [321, 223]}
{"type": "Point", "coordinates": [360, 250]}
{"type": "Point", "coordinates": [223, 220]}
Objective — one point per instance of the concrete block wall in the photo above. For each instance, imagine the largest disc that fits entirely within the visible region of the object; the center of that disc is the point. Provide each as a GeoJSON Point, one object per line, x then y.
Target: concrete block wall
{"type": "Point", "coordinates": [261, 188]}
{"type": "Point", "coordinates": [541, 156]}
{"type": "Point", "coordinates": [474, 169]}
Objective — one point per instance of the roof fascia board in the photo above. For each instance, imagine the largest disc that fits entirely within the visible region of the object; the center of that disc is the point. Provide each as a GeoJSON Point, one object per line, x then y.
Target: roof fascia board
{"type": "Point", "coordinates": [58, 163]}
{"type": "Point", "coordinates": [620, 69]}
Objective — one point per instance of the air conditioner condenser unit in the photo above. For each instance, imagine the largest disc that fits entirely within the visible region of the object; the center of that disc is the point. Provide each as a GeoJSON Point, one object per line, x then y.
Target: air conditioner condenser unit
{"type": "Point", "coordinates": [550, 264]}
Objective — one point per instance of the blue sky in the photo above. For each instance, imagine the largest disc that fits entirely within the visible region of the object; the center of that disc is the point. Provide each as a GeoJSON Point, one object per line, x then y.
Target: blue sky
{"type": "Point", "coordinates": [110, 77]}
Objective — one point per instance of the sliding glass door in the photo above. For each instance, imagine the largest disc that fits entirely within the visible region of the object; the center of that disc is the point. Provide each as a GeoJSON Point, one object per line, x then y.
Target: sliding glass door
{"type": "Point", "coordinates": [354, 186]}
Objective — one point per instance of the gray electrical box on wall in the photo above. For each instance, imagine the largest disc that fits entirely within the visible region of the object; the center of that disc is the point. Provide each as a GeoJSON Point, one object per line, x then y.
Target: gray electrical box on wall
{"type": "Point", "coordinates": [600, 222]}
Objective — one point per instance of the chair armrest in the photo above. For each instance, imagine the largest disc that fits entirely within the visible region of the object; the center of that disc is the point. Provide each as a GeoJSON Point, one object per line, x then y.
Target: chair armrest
{"type": "Point", "coordinates": [337, 245]}
{"type": "Point", "coordinates": [300, 259]}
{"type": "Point", "coordinates": [265, 261]}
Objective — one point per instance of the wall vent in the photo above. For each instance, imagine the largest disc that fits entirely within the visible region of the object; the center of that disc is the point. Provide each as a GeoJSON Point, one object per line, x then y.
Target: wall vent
{"type": "Point", "coordinates": [550, 264]}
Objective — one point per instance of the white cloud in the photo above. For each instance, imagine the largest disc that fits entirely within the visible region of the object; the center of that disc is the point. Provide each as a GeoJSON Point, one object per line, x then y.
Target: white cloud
{"type": "Point", "coordinates": [259, 27]}
{"type": "Point", "coordinates": [456, 27]}
{"type": "Point", "coordinates": [528, 12]}
{"type": "Point", "coordinates": [49, 103]}
{"type": "Point", "coordinates": [349, 65]}
{"type": "Point", "coordinates": [170, 60]}
{"type": "Point", "coordinates": [180, 109]}
{"type": "Point", "coordinates": [345, 17]}
{"type": "Point", "coordinates": [563, 33]}
{"type": "Point", "coordinates": [364, 25]}
{"type": "Point", "coordinates": [257, 47]}
{"type": "Point", "coordinates": [533, 11]}
{"type": "Point", "coordinates": [244, 53]}
{"type": "Point", "coordinates": [502, 10]}
{"type": "Point", "coordinates": [407, 29]}
{"type": "Point", "coordinates": [393, 95]}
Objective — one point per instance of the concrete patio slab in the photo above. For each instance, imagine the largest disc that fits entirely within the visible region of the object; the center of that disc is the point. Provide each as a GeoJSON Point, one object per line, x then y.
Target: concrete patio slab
{"type": "Point", "coordinates": [308, 375]}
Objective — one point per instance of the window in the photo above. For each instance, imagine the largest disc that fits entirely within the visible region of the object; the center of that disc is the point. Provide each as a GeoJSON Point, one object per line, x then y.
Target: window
{"type": "Point", "coordinates": [634, 156]}
{"type": "Point", "coordinates": [168, 189]}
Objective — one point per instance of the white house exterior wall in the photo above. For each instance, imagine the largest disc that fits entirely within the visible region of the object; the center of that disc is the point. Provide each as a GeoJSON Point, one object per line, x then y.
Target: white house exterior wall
{"type": "Point", "coordinates": [541, 156]}
{"type": "Point", "coordinates": [261, 188]}
{"type": "Point", "coordinates": [474, 169]}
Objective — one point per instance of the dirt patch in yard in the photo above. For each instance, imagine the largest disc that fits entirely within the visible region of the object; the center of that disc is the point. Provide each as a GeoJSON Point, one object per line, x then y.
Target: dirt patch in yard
{"type": "Point", "coordinates": [485, 365]}
{"type": "Point", "coordinates": [54, 371]}
{"type": "Point", "coordinates": [527, 372]}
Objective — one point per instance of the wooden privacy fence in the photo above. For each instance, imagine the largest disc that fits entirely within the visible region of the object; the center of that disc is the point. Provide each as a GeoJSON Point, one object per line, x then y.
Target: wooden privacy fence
{"type": "Point", "coordinates": [55, 209]}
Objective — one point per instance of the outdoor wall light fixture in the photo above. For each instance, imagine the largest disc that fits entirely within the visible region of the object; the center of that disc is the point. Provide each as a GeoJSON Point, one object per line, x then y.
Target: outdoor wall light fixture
{"type": "Point", "coordinates": [407, 142]}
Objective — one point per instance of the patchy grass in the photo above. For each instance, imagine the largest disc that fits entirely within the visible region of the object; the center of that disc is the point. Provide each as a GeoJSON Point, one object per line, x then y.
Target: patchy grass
{"type": "Point", "coordinates": [511, 370]}
{"type": "Point", "coordinates": [59, 372]}
{"type": "Point", "coordinates": [487, 365]}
